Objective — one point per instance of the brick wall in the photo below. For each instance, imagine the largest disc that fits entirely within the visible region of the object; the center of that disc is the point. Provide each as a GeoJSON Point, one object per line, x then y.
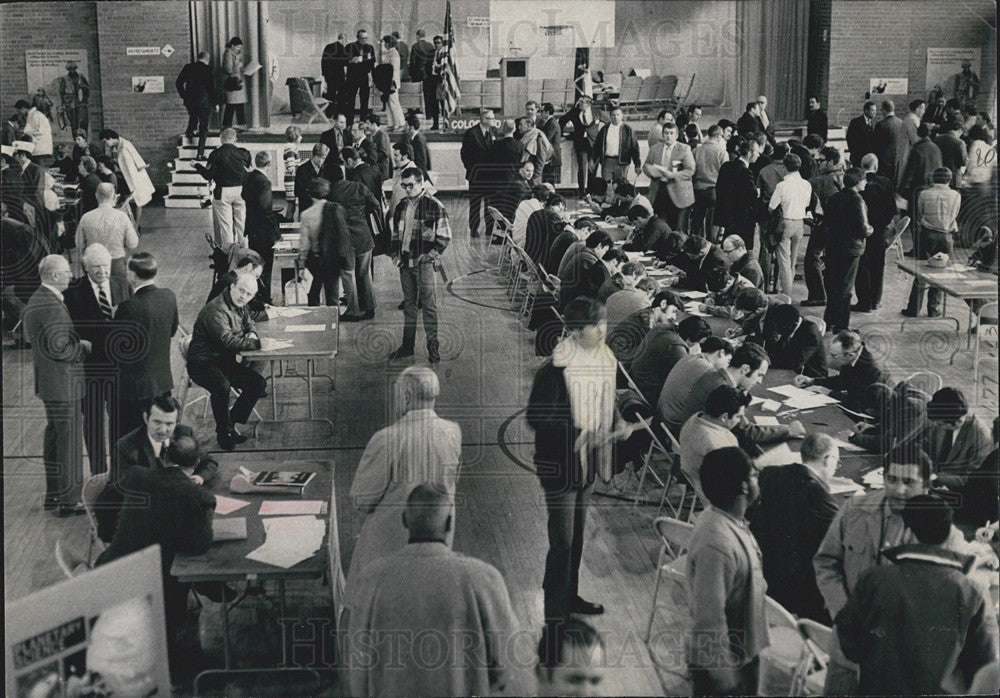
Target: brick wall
{"type": "Point", "coordinates": [890, 38]}
{"type": "Point", "coordinates": [151, 121]}
{"type": "Point", "coordinates": [56, 25]}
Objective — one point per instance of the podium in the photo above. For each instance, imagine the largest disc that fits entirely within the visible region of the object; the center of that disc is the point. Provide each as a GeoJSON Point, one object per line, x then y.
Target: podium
{"type": "Point", "coordinates": [513, 84]}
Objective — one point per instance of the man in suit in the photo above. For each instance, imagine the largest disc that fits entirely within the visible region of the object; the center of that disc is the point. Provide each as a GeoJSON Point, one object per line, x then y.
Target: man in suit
{"type": "Point", "coordinates": [891, 144]}
{"type": "Point", "coordinates": [91, 301]}
{"type": "Point", "coordinates": [585, 272]}
{"type": "Point", "coordinates": [151, 313]}
{"type": "Point", "coordinates": [262, 223]}
{"type": "Point", "coordinates": [360, 61]}
{"type": "Point", "coordinates": [925, 157]}
{"type": "Point", "coordinates": [363, 172]}
{"type": "Point", "coordinates": [858, 371]}
{"type": "Point", "coordinates": [789, 521]}
{"type": "Point", "coordinates": [57, 351]}
{"type": "Point", "coordinates": [767, 125]}
{"type": "Point", "coordinates": [506, 167]}
{"type": "Point", "coordinates": [515, 191]}
{"type": "Point", "coordinates": [421, 64]}
{"type": "Point", "coordinates": [308, 171]}
{"type": "Point", "coordinates": [749, 123]}
{"type": "Point", "coordinates": [586, 126]}
{"type": "Point", "coordinates": [356, 279]}
{"type": "Point", "coordinates": [860, 134]}
{"type": "Point", "coordinates": [703, 260]}
{"type": "Point", "coordinates": [616, 147]}
{"type": "Point", "coordinates": [956, 440]}
{"type": "Point", "coordinates": [196, 86]}
{"type": "Point", "coordinates": [816, 122]}
{"type": "Point", "coordinates": [736, 194]}
{"type": "Point", "coordinates": [383, 147]}
{"type": "Point", "coordinates": [549, 126]}
{"type": "Point", "coordinates": [333, 66]}
{"type": "Point", "coordinates": [476, 145]}
{"type": "Point", "coordinates": [670, 168]}
{"type": "Point", "coordinates": [879, 196]}
{"type": "Point", "coordinates": [543, 227]}
{"type": "Point", "coordinates": [913, 119]}
{"type": "Point", "coordinates": [335, 138]}
{"type": "Point", "coordinates": [361, 143]}
{"type": "Point", "coordinates": [227, 166]}
{"type": "Point", "coordinates": [421, 155]}
{"type": "Point", "coordinates": [793, 342]}
{"type": "Point", "coordinates": [848, 229]}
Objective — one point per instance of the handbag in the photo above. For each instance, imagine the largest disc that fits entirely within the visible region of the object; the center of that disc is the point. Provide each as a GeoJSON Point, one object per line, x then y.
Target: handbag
{"type": "Point", "coordinates": [233, 84]}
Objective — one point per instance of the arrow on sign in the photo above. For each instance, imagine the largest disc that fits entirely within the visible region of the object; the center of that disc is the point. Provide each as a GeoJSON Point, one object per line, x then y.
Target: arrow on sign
{"type": "Point", "coordinates": [167, 50]}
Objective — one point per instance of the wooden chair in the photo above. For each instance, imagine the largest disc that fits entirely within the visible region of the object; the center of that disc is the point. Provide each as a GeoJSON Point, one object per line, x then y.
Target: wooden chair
{"type": "Point", "coordinates": [811, 673]}
{"type": "Point", "coordinates": [315, 106]}
{"type": "Point", "coordinates": [780, 660]}
{"type": "Point", "coordinates": [628, 98]}
{"type": "Point", "coordinates": [986, 333]}
{"type": "Point", "coordinates": [675, 537]}
{"type": "Point", "coordinates": [665, 92]}
{"type": "Point", "coordinates": [91, 490]}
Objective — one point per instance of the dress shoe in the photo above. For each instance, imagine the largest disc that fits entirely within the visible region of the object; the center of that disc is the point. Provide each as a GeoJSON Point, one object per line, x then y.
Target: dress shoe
{"type": "Point", "coordinates": [64, 511]}
{"type": "Point", "coordinates": [402, 304]}
{"type": "Point", "coordinates": [433, 357]}
{"type": "Point", "coordinates": [400, 353]}
{"type": "Point", "coordinates": [370, 315]}
{"type": "Point", "coordinates": [50, 503]}
{"type": "Point", "coordinates": [346, 317]}
{"type": "Point", "coordinates": [876, 306]}
{"type": "Point", "coordinates": [860, 309]}
{"type": "Point", "coordinates": [812, 304]}
{"type": "Point", "coordinates": [229, 441]}
{"type": "Point", "coordinates": [908, 313]}
{"type": "Point", "coordinates": [585, 608]}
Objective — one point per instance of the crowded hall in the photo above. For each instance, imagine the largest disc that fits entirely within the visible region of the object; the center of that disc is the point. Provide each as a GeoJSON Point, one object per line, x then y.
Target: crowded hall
{"type": "Point", "coordinates": [500, 347]}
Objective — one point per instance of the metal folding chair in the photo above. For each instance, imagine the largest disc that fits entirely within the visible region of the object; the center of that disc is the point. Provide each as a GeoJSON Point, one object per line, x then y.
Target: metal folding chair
{"type": "Point", "coordinates": [676, 539]}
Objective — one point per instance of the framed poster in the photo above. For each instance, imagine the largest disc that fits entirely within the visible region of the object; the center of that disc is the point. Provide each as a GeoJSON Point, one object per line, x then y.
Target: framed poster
{"type": "Point", "coordinates": [147, 84]}
{"type": "Point", "coordinates": [45, 69]}
{"type": "Point", "coordinates": [888, 86]}
{"type": "Point", "coordinates": [954, 72]}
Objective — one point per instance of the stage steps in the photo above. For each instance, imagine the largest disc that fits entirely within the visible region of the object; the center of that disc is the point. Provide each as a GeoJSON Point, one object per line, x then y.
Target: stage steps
{"type": "Point", "coordinates": [187, 188]}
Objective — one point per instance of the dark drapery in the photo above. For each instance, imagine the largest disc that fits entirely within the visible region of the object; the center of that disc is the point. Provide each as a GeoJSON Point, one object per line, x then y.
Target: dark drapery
{"type": "Point", "coordinates": [784, 47]}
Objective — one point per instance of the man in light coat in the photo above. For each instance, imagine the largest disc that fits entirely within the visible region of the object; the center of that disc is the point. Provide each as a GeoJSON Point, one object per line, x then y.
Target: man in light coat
{"type": "Point", "coordinates": [670, 168]}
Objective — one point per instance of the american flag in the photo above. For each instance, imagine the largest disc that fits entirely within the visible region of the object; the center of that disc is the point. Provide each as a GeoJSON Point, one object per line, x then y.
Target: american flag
{"type": "Point", "coordinates": [449, 93]}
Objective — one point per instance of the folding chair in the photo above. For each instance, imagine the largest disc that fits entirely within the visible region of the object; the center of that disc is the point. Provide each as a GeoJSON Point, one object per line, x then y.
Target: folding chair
{"type": "Point", "coordinates": [184, 343]}
{"type": "Point", "coordinates": [780, 660]}
{"type": "Point", "coordinates": [926, 381]}
{"type": "Point", "coordinates": [672, 560]}
{"type": "Point", "coordinates": [628, 97]}
{"type": "Point", "coordinates": [91, 490]}
{"type": "Point", "coordinates": [71, 564]}
{"type": "Point", "coordinates": [503, 229]}
{"type": "Point", "coordinates": [899, 228]}
{"type": "Point", "coordinates": [986, 332]}
{"type": "Point", "coordinates": [811, 673]}
{"type": "Point", "coordinates": [315, 106]}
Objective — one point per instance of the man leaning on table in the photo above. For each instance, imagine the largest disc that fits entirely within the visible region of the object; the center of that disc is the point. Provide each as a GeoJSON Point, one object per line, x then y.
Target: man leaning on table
{"type": "Point", "coordinates": [223, 329]}
{"type": "Point", "coordinates": [858, 371]}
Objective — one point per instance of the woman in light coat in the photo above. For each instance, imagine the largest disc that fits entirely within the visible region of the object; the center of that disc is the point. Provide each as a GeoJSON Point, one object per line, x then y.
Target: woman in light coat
{"type": "Point", "coordinates": [133, 170]}
{"type": "Point", "coordinates": [390, 55]}
{"type": "Point", "coordinates": [235, 88]}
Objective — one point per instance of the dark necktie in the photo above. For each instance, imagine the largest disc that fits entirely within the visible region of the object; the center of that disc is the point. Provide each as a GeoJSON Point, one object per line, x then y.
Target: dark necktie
{"type": "Point", "coordinates": [102, 300]}
{"type": "Point", "coordinates": [949, 441]}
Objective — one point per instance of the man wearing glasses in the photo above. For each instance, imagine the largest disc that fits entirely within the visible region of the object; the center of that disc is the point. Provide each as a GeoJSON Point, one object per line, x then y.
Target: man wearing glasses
{"type": "Point", "coordinates": [420, 235]}
{"type": "Point", "coordinates": [741, 262]}
{"type": "Point", "coordinates": [858, 371]}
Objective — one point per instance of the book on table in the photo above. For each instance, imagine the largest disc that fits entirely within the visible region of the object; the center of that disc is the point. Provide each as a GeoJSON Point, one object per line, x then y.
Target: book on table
{"type": "Point", "coordinates": [282, 478]}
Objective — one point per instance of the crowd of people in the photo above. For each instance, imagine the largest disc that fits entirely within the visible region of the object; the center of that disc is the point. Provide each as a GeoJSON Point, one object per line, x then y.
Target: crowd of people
{"type": "Point", "coordinates": [727, 210]}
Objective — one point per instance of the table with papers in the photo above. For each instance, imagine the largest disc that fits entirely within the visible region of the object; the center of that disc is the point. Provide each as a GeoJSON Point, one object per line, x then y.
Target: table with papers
{"type": "Point", "coordinates": [288, 535]}
{"type": "Point", "coordinates": [286, 256]}
{"type": "Point", "coordinates": [309, 334]}
{"type": "Point", "coordinates": [777, 401]}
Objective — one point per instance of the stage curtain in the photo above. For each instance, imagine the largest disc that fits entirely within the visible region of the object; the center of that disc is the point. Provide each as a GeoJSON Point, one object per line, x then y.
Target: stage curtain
{"type": "Point", "coordinates": [784, 48]}
{"type": "Point", "coordinates": [213, 24]}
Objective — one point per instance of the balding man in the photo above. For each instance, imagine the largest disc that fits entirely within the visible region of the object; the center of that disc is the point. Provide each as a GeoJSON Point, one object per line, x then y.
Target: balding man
{"type": "Point", "coordinates": [196, 87]}
{"type": "Point", "coordinates": [419, 448]}
{"type": "Point", "coordinates": [789, 521]}
{"type": "Point", "coordinates": [223, 329]}
{"type": "Point", "coordinates": [475, 153]}
{"type": "Point", "coordinates": [425, 590]}
{"type": "Point", "coordinates": [305, 174]}
{"type": "Point", "coordinates": [227, 166]}
{"type": "Point", "coordinates": [91, 301]}
{"type": "Point", "coordinates": [108, 226]}
{"type": "Point", "coordinates": [57, 351]}
{"type": "Point", "coordinates": [879, 196]}
{"type": "Point", "coordinates": [261, 223]}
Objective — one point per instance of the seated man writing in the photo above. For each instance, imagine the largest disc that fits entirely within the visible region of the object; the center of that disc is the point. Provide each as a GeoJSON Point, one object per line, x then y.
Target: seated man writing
{"type": "Point", "coordinates": [858, 371]}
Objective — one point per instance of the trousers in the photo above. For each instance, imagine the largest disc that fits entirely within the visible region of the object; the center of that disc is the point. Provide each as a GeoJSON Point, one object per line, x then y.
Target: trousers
{"type": "Point", "coordinates": [814, 266]}
{"type": "Point", "coordinates": [788, 252]}
{"type": "Point", "coordinates": [567, 516]}
{"type": "Point", "coordinates": [703, 212]}
{"type": "Point", "coordinates": [217, 379]}
{"type": "Point", "coordinates": [357, 282]}
{"type": "Point", "coordinates": [929, 244]}
{"type": "Point", "coordinates": [61, 451]}
{"type": "Point", "coordinates": [585, 169]}
{"type": "Point", "coordinates": [871, 274]}
{"type": "Point", "coordinates": [478, 200]}
{"type": "Point", "coordinates": [841, 270]}
{"type": "Point", "coordinates": [198, 116]}
{"type": "Point", "coordinates": [229, 214]}
{"type": "Point", "coordinates": [418, 284]}
{"type": "Point", "coordinates": [100, 398]}
{"type": "Point", "coordinates": [357, 87]}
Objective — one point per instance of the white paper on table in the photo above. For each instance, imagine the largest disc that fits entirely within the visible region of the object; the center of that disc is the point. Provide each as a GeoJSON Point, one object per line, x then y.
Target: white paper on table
{"type": "Point", "coordinates": [251, 68]}
{"type": "Point", "coordinates": [691, 308]}
{"type": "Point", "coordinates": [227, 505]}
{"type": "Point", "coordinates": [305, 328]}
{"type": "Point", "coordinates": [809, 401]}
{"type": "Point", "coordinates": [292, 507]}
{"type": "Point", "coordinates": [765, 421]}
{"type": "Point", "coordinates": [874, 479]}
{"type": "Point", "coordinates": [778, 455]}
{"type": "Point", "coordinates": [276, 311]}
{"type": "Point", "coordinates": [847, 446]}
{"type": "Point", "coordinates": [289, 540]}
{"type": "Point", "coordinates": [788, 390]}
{"type": "Point", "coordinates": [269, 344]}
{"type": "Point", "coordinates": [770, 405]}
{"type": "Point", "coordinates": [841, 485]}
{"type": "Point", "coordinates": [692, 295]}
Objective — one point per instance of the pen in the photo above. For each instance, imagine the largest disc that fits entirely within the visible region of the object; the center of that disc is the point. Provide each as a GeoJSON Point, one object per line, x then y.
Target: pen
{"type": "Point", "coordinates": [819, 424]}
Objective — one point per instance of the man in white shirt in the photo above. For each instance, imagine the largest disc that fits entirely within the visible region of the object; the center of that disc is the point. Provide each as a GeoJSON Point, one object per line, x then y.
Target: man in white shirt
{"type": "Point", "coordinates": [38, 127]}
{"type": "Point", "coordinates": [794, 195]}
{"type": "Point", "coordinates": [708, 158]}
{"type": "Point", "coordinates": [108, 226]}
{"type": "Point", "coordinates": [536, 202]}
{"type": "Point", "coordinates": [617, 147]}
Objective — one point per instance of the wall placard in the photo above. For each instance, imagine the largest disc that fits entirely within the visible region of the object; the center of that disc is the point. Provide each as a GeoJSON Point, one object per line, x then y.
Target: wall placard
{"type": "Point", "coordinates": [44, 68]}
{"type": "Point", "coordinates": [147, 84]}
{"type": "Point", "coordinates": [954, 71]}
{"type": "Point", "coordinates": [888, 86]}
{"type": "Point", "coordinates": [142, 51]}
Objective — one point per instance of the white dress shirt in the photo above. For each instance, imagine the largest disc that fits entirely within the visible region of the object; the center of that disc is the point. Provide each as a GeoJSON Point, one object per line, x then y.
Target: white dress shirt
{"type": "Point", "coordinates": [106, 287]}
{"type": "Point", "coordinates": [793, 194]}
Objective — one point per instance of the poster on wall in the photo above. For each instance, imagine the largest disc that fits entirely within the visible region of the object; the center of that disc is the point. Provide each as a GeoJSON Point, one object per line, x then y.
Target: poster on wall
{"type": "Point", "coordinates": [888, 86]}
{"type": "Point", "coordinates": [147, 84]}
{"type": "Point", "coordinates": [953, 72]}
{"type": "Point", "coordinates": [61, 78]}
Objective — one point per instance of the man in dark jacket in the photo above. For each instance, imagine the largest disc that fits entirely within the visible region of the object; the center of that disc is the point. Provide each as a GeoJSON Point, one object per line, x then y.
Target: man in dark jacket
{"type": "Point", "coordinates": [847, 231]}
{"type": "Point", "coordinates": [701, 260]}
{"type": "Point", "coordinates": [383, 147]}
{"type": "Point", "coordinates": [925, 157]}
{"type": "Point", "coordinates": [586, 272]}
{"type": "Point", "coordinates": [649, 230]}
{"type": "Point", "coordinates": [816, 122]}
{"type": "Point", "coordinates": [749, 123]}
{"type": "Point", "coordinates": [892, 146]}
{"type": "Point", "coordinates": [954, 154]}
{"type": "Point", "coordinates": [860, 134]}
{"type": "Point", "coordinates": [544, 227]}
{"type": "Point", "coordinates": [421, 70]}
{"type": "Point", "coordinates": [476, 146]}
{"type": "Point", "coordinates": [789, 521]}
{"type": "Point", "coordinates": [509, 194]}
{"type": "Point", "coordinates": [308, 171]}
{"type": "Point", "coordinates": [91, 300]}
{"type": "Point", "coordinates": [421, 154]}
{"type": "Point", "coordinates": [900, 418]}
{"type": "Point", "coordinates": [262, 223]}
{"type": "Point", "coordinates": [363, 172]}
{"type": "Point", "coordinates": [659, 352]}
{"type": "Point", "coordinates": [196, 87]}
{"type": "Point", "coordinates": [505, 158]}
{"type": "Point", "coordinates": [792, 342]}
{"type": "Point", "coordinates": [736, 194]}
{"type": "Point", "coordinates": [919, 625]}
{"type": "Point", "coordinates": [586, 126]}
{"type": "Point", "coordinates": [858, 371]}
{"type": "Point", "coordinates": [151, 313]}
{"type": "Point", "coordinates": [333, 66]}
{"type": "Point", "coordinates": [616, 147]}
{"type": "Point", "coordinates": [336, 138]}
{"type": "Point", "coordinates": [358, 204]}
{"type": "Point", "coordinates": [360, 61]}
{"type": "Point", "coordinates": [879, 196]}
{"type": "Point", "coordinates": [549, 125]}
{"type": "Point", "coordinates": [741, 261]}
{"type": "Point", "coordinates": [227, 166]}
{"type": "Point", "coordinates": [223, 330]}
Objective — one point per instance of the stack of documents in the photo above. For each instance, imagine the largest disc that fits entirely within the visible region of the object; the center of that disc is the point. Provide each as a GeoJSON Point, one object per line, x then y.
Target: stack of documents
{"type": "Point", "coordinates": [283, 311]}
{"type": "Point", "coordinates": [779, 455]}
{"type": "Point", "coordinates": [802, 399]}
{"type": "Point", "coordinates": [269, 344]}
{"type": "Point", "coordinates": [874, 480]}
{"type": "Point", "coordinates": [841, 485]}
{"type": "Point", "coordinates": [691, 308]}
{"type": "Point", "coordinates": [289, 540]}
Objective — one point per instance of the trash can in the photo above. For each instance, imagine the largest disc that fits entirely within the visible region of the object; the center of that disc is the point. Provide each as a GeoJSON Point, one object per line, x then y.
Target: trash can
{"type": "Point", "coordinates": [296, 100]}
